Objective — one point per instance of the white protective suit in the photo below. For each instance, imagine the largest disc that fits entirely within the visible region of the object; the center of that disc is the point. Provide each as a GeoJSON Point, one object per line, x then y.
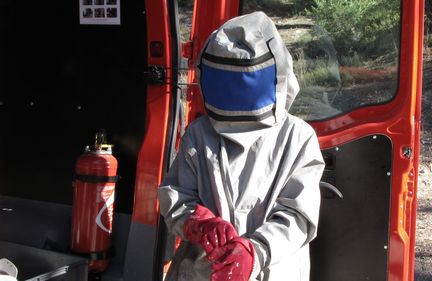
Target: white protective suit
{"type": "Point", "coordinates": [248, 161]}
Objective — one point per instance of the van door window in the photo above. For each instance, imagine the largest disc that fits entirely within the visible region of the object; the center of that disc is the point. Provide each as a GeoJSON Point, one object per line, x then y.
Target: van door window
{"type": "Point", "coordinates": [346, 53]}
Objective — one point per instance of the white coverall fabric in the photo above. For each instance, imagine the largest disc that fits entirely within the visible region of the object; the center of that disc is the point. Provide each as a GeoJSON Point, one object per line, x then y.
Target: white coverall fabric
{"type": "Point", "coordinates": [262, 176]}
{"type": "Point", "coordinates": [276, 204]}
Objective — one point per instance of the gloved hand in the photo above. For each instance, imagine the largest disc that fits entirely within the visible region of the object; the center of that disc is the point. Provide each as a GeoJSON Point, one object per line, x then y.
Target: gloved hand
{"type": "Point", "coordinates": [217, 233]}
{"type": "Point", "coordinates": [234, 261]}
{"type": "Point", "coordinates": [202, 227]}
{"type": "Point", "coordinates": [192, 225]}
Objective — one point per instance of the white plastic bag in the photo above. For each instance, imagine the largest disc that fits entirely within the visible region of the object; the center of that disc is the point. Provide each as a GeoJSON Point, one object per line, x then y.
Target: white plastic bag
{"type": "Point", "coordinates": [8, 271]}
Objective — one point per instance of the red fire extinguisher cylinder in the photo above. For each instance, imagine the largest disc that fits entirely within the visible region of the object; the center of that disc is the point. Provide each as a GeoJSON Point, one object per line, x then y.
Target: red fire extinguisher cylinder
{"type": "Point", "coordinates": [93, 204]}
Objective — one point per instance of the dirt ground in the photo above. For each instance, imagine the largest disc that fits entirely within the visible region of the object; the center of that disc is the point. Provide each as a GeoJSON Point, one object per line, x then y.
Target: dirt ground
{"type": "Point", "coordinates": [424, 210]}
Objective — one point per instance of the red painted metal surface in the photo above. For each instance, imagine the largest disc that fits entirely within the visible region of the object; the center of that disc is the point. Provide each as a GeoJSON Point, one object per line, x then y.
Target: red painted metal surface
{"type": "Point", "coordinates": [93, 207]}
{"type": "Point", "coordinates": [417, 131]}
{"type": "Point", "coordinates": [208, 15]}
{"type": "Point", "coordinates": [399, 120]}
{"type": "Point", "coordinates": [151, 156]}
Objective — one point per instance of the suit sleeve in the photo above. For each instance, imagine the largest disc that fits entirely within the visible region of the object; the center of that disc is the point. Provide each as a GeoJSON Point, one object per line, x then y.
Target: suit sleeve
{"type": "Point", "coordinates": [292, 222]}
{"type": "Point", "coordinates": [178, 193]}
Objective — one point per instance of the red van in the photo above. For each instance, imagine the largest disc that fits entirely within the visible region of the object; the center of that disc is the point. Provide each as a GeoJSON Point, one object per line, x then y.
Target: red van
{"type": "Point", "coordinates": [69, 68]}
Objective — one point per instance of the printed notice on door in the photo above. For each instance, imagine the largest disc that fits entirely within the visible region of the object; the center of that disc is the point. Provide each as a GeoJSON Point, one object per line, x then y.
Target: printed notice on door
{"type": "Point", "coordinates": [100, 12]}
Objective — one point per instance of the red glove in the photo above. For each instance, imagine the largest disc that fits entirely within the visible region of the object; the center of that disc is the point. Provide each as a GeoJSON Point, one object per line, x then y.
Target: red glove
{"type": "Point", "coordinates": [202, 227]}
{"type": "Point", "coordinates": [234, 261]}
{"type": "Point", "coordinates": [192, 225]}
{"type": "Point", "coordinates": [217, 233]}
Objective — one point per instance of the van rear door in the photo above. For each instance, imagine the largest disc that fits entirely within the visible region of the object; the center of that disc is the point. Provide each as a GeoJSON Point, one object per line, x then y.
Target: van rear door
{"type": "Point", "coordinates": [360, 71]}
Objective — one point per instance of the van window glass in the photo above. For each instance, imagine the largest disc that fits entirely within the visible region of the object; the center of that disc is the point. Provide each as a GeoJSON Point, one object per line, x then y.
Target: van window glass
{"type": "Point", "coordinates": [345, 52]}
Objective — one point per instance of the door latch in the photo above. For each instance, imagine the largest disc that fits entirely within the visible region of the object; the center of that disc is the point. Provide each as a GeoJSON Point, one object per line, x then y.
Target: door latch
{"type": "Point", "coordinates": [407, 152]}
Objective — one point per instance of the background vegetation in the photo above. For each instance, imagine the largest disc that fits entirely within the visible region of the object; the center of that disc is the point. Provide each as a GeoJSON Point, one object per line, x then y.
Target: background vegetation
{"type": "Point", "coordinates": [359, 26]}
{"type": "Point", "coordinates": [428, 23]}
{"type": "Point", "coordinates": [346, 52]}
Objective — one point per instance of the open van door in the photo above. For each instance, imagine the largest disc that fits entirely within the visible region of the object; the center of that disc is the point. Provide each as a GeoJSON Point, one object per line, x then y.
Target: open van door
{"type": "Point", "coordinates": [171, 77]}
{"type": "Point", "coordinates": [162, 103]}
{"type": "Point", "coordinates": [361, 92]}
{"type": "Point", "coordinates": [371, 148]}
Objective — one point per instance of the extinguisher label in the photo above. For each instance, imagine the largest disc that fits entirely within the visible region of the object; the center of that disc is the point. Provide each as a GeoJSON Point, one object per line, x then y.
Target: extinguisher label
{"type": "Point", "coordinates": [105, 216]}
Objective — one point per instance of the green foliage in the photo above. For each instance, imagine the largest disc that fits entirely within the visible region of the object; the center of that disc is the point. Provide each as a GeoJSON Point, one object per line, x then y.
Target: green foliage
{"type": "Point", "coordinates": [249, 6]}
{"type": "Point", "coordinates": [315, 72]}
{"type": "Point", "coordinates": [353, 60]}
{"type": "Point", "coordinates": [359, 25]}
{"type": "Point", "coordinates": [282, 8]}
{"type": "Point", "coordinates": [275, 7]}
{"type": "Point", "coordinates": [275, 2]}
{"type": "Point", "coordinates": [303, 5]}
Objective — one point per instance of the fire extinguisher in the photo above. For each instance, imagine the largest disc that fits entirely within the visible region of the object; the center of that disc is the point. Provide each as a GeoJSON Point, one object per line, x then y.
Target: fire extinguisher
{"type": "Point", "coordinates": [93, 203]}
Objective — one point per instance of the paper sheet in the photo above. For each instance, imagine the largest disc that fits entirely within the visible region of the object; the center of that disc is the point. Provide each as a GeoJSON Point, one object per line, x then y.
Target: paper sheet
{"type": "Point", "coordinates": [100, 12]}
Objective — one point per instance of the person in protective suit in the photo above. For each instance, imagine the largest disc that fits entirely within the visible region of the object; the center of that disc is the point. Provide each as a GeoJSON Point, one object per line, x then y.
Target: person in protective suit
{"type": "Point", "coordinates": [243, 192]}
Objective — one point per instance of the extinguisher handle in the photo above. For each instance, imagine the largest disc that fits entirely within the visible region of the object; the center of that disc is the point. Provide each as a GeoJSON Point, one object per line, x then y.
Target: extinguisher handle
{"type": "Point", "coordinates": [100, 138]}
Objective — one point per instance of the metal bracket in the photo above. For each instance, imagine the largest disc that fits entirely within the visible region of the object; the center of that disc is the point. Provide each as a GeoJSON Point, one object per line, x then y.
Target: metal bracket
{"type": "Point", "coordinates": [155, 74]}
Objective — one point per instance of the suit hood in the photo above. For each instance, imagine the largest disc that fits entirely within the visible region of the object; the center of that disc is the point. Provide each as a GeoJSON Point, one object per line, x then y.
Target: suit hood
{"type": "Point", "coordinates": [246, 73]}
